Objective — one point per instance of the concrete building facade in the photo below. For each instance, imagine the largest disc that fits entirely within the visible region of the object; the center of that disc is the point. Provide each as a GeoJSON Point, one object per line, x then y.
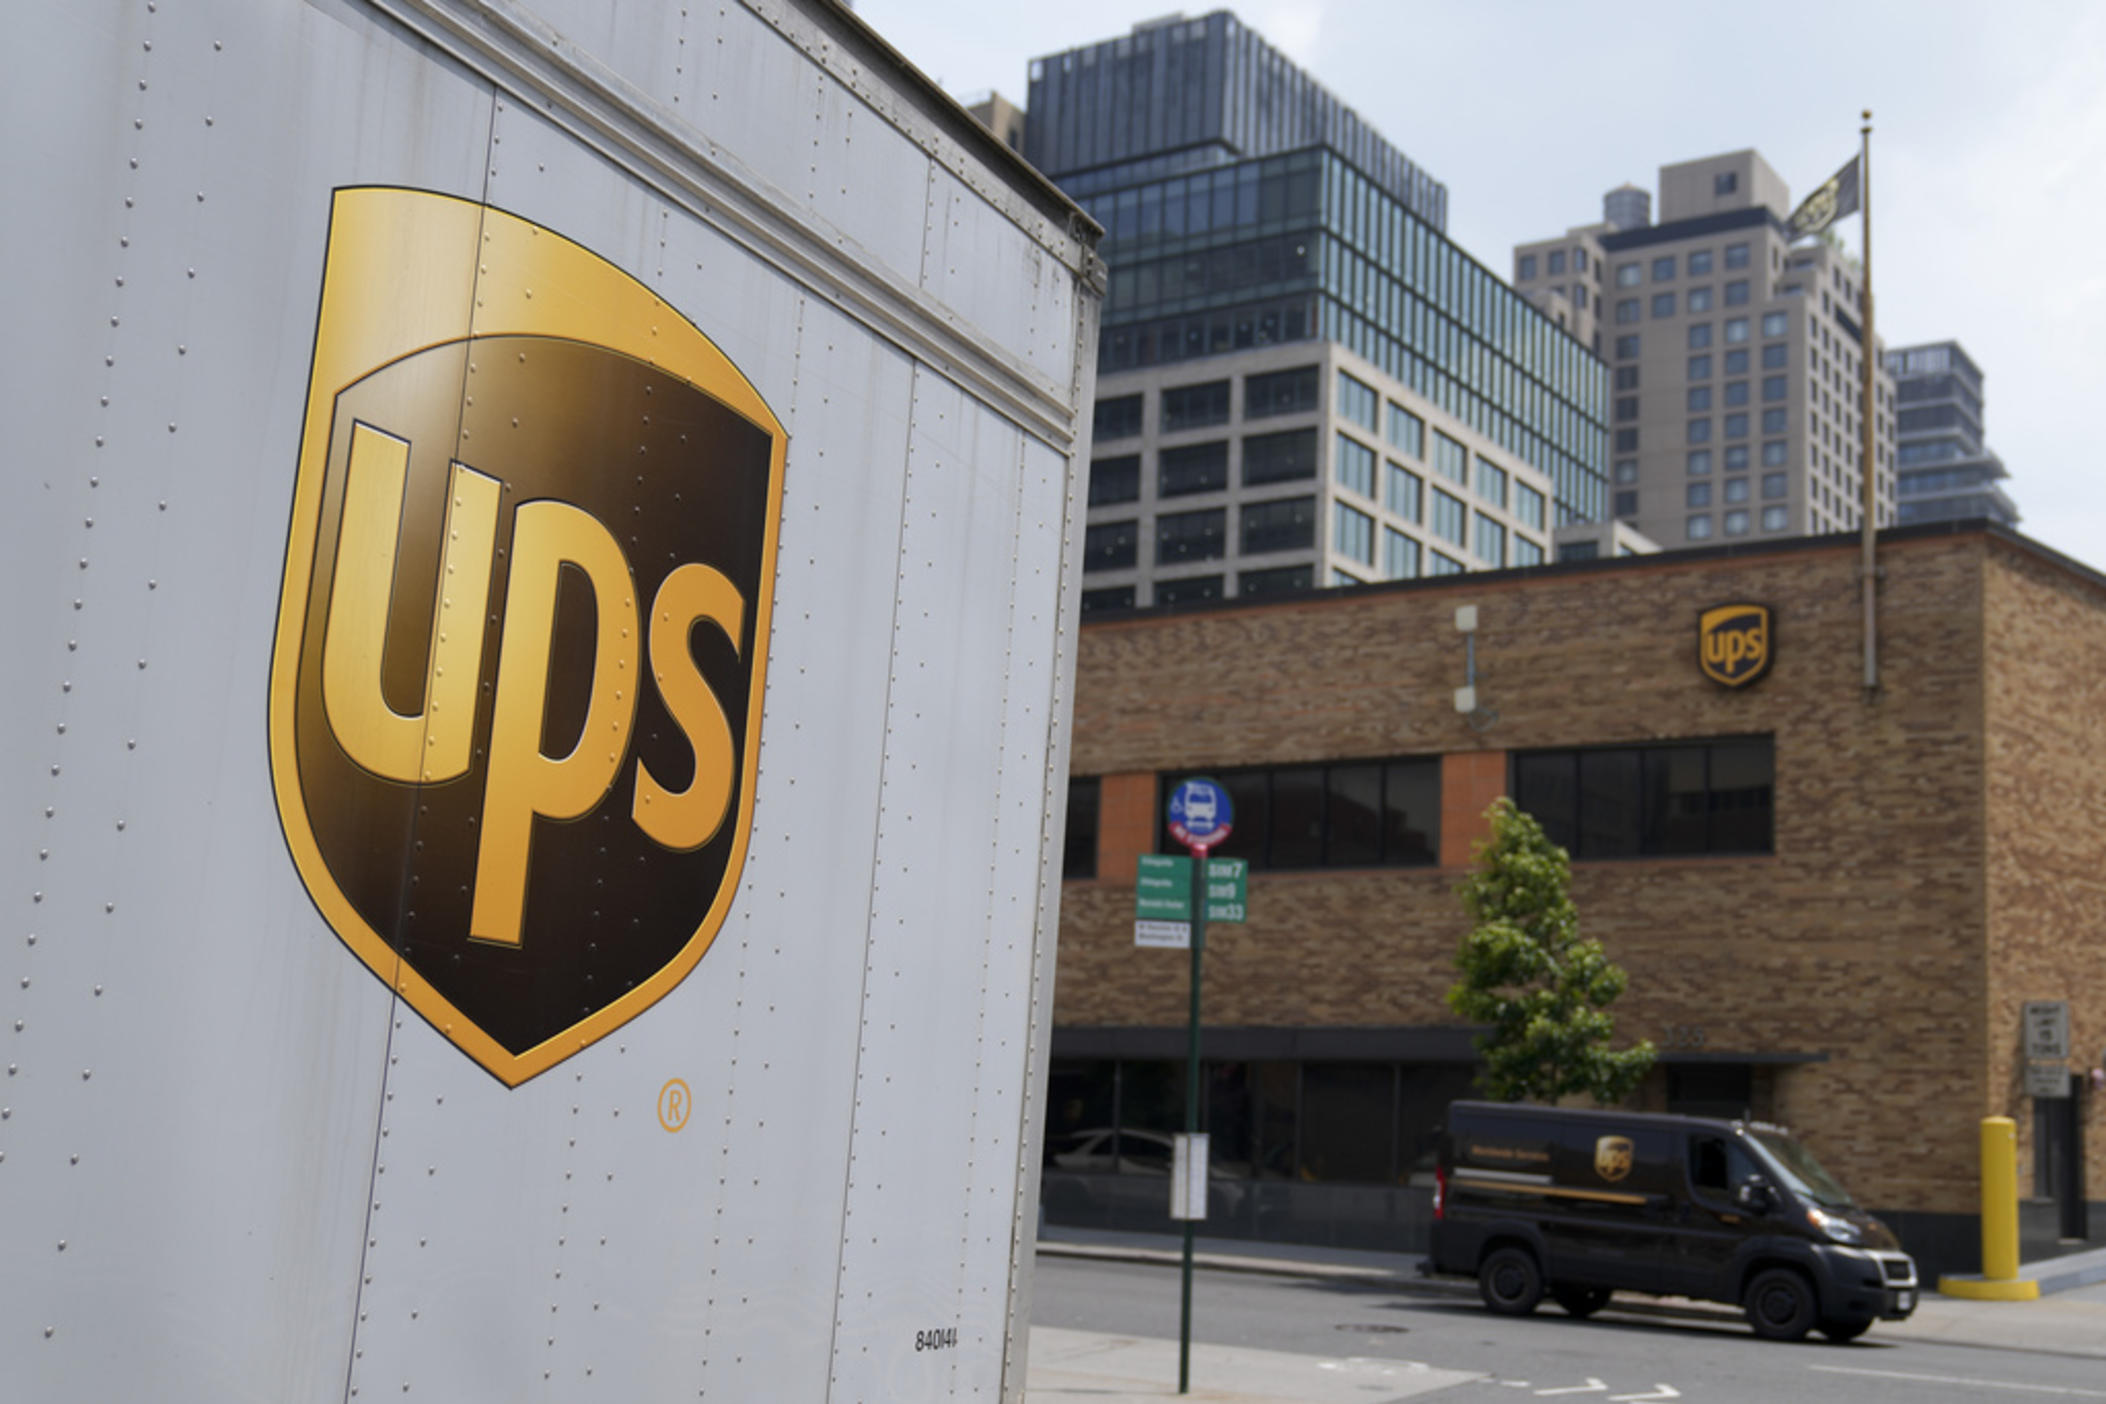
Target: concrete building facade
{"type": "Point", "coordinates": [1733, 355]}
{"type": "Point", "coordinates": [1947, 470]}
{"type": "Point", "coordinates": [1832, 908]}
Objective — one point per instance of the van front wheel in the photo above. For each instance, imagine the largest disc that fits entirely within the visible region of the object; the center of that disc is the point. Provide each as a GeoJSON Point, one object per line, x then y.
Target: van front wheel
{"type": "Point", "coordinates": [1510, 1282]}
{"type": "Point", "coordinates": [1780, 1304]}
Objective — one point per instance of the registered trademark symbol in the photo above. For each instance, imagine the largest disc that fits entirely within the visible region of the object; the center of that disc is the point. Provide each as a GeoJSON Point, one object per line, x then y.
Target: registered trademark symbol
{"type": "Point", "coordinates": [674, 1105]}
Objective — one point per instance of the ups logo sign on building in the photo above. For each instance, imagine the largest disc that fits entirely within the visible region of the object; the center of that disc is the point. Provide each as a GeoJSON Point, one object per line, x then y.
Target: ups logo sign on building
{"type": "Point", "coordinates": [1734, 643]}
{"type": "Point", "coordinates": [516, 687]}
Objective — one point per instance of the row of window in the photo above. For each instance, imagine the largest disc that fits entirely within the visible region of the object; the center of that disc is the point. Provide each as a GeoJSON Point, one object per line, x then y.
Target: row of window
{"type": "Point", "coordinates": [1735, 426]}
{"type": "Point", "coordinates": [1699, 265]}
{"type": "Point", "coordinates": [1553, 265]}
{"type": "Point", "coordinates": [1197, 406]}
{"type": "Point", "coordinates": [1192, 589]}
{"type": "Point", "coordinates": [1774, 486]}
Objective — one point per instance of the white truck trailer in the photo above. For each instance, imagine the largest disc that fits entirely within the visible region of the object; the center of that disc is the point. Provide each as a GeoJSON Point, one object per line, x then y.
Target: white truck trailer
{"type": "Point", "coordinates": [540, 598]}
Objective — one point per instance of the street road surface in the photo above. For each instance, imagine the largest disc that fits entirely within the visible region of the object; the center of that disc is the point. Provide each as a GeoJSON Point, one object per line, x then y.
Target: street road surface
{"type": "Point", "coordinates": [1617, 1358]}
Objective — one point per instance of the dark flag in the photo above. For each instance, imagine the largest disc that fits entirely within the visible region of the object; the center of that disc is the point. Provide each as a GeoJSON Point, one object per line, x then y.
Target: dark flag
{"type": "Point", "coordinates": [1832, 200]}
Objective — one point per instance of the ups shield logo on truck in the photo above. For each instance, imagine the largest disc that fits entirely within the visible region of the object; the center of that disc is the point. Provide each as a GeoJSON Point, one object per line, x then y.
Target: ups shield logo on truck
{"type": "Point", "coordinates": [516, 688]}
{"type": "Point", "coordinates": [1733, 643]}
{"type": "Point", "coordinates": [1612, 1157]}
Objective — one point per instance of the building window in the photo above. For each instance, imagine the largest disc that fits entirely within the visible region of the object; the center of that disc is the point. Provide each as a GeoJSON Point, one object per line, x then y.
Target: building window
{"type": "Point", "coordinates": [1353, 465]}
{"type": "Point", "coordinates": [1697, 495]}
{"type": "Point", "coordinates": [1190, 536]}
{"type": "Point", "coordinates": [1664, 268]}
{"type": "Point", "coordinates": [1737, 293]}
{"type": "Point", "coordinates": [1626, 377]}
{"type": "Point", "coordinates": [1699, 263]}
{"type": "Point", "coordinates": [1773, 387]}
{"type": "Point", "coordinates": [1699, 367]}
{"type": "Point", "coordinates": [1115, 480]}
{"type": "Point", "coordinates": [1439, 564]}
{"type": "Point", "coordinates": [1280, 580]}
{"type": "Point", "coordinates": [1527, 552]}
{"type": "Point", "coordinates": [1773, 421]}
{"type": "Point", "coordinates": [1525, 268]}
{"type": "Point", "coordinates": [1698, 528]}
{"type": "Point", "coordinates": [1078, 858]}
{"type": "Point", "coordinates": [1283, 524]}
{"type": "Point", "coordinates": [1358, 402]}
{"type": "Point", "coordinates": [1401, 492]}
{"type": "Point", "coordinates": [1192, 589]}
{"type": "Point", "coordinates": [1736, 489]}
{"type": "Point", "coordinates": [1626, 470]}
{"type": "Point", "coordinates": [1774, 356]}
{"type": "Point", "coordinates": [1774, 485]}
{"type": "Point", "coordinates": [1736, 329]}
{"type": "Point", "coordinates": [1626, 504]}
{"type": "Point", "coordinates": [1699, 431]}
{"type": "Point", "coordinates": [1699, 397]}
{"type": "Point", "coordinates": [1110, 546]}
{"type": "Point", "coordinates": [1699, 335]}
{"type": "Point", "coordinates": [1353, 814]}
{"type": "Point", "coordinates": [1579, 260]}
{"type": "Point", "coordinates": [1773, 519]}
{"type": "Point", "coordinates": [1491, 483]}
{"type": "Point", "coordinates": [1579, 296]}
{"type": "Point", "coordinates": [1400, 555]}
{"type": "Point", "coordinates": [1737, 425]}
{"type": "Point", "coordinates": [1627, 346]}
{"type": "Point", "coordinates": [1275, 458]}
{"type": "Point", "coordinates": [1775, 323]}
{"type": "Point", "coordinates": [1554, 262]}
{"type": "Point", "coordinates": [1450, 459]}
{"type": "Point", "coordinates": [1450, 518]}
{"type": "Point", "coordinates": [1344, 579]}
{"type": "Point", "coordinates": [1663, 304]}
{"type": "Point", "coordinates": [1647, 801]}
{"type": "Point", "coordinates": [1700, 299]}
{"type": "Point", "coordinates": [1118, 418]}
{"type": "Point", "coordinates": [1192, 468]}
{"type": "Point", "coordinates": [1725, 183]}
{"type": "Point", "coordinates": [1579, 551]}
{"type": "Point", "coordinates": [1736, 255]}
{"type": "Point", "coordinates": [1280, 392]}
{"type": "Point", "coordinates": [1196, 406]}
{"type": "Point", "coordinates": [1736, 392]}
{"type": "Point", "coordinates": [1491, 541]}
{"type": "Point", "coordinates": [1736, 457]}
{"type": "Point", "coordinates": [1626, 408]}
{"type": "Point", "coordinates": [1407, 432]}
{"type": "Point", "coordinates": [1528, 506]}
{"type": "Point", "coordinates": [1352, 533]}
{"type": "Point", "coordinates": [1773, 454]}
{"type": "Point", "coordinates": [1699, 462]}
{"type": "Point", "coordinates": [1629, 275]}
{"type": "Point", "coordinates": [1627, 310]}
{"type": "Point", "coordinates": [1736, 363]}
{"type": "Point", "coordinates": [1626, 441]}
{"type": "Point", "coordinates": [1107, 597]}
{"type": "Point", "coordinates": [1737, 522]}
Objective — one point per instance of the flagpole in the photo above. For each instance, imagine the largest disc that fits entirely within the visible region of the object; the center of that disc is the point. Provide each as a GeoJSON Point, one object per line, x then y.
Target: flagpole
{"type": "Point", "coordinates": [1868, 463]}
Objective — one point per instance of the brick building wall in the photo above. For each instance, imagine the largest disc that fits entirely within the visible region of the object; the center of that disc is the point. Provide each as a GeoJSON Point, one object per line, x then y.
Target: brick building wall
{"type": "Point", "coordinates": [1864, 940]}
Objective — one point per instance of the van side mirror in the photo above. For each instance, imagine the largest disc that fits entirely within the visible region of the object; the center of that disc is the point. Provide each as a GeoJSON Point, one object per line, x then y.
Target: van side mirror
{"type": "Point", "coordinates": [1755, 1197]}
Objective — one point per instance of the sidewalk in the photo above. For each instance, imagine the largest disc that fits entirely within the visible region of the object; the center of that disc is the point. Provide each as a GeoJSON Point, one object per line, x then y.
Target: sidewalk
{"type": "Point", "coordinates": [1103, 1369]}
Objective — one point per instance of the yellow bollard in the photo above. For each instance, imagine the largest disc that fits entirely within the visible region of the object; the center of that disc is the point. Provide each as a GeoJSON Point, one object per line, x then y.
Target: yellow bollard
{"type": "Point", "coordinates": [1999, 1280]}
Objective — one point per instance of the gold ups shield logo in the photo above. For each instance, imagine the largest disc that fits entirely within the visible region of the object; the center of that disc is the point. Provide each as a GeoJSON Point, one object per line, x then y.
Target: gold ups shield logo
{"type": "Point", "coordinates": [1733, 643]}
{"type": "Point", "coordinates": [1612, 1157]}
{"type": "Point", "coordinates": [516, 688]}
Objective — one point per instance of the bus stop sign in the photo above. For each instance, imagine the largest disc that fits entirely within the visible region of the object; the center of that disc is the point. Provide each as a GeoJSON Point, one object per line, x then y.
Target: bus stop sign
{"type": "Point", "coordinates": [1200, 815]}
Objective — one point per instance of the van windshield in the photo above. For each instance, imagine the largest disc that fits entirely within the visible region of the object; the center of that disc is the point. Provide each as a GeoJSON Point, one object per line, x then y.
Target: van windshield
{"type": "Point", "coordinates": [1801, 1173]}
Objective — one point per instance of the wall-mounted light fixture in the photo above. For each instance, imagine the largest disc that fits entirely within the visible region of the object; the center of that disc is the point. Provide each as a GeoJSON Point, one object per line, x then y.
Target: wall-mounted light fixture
{"type": "Point", "coordinates": [1466, 696]}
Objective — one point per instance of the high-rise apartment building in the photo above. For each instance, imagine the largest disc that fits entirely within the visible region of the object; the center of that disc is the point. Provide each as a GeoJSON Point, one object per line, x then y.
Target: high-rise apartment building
{"type": "Point", "coordinates": [1734, 357]}
{"type": "Point", "coordinates": [1301, 380]}
{"type": "Point", "coordinates": [1947, 471]}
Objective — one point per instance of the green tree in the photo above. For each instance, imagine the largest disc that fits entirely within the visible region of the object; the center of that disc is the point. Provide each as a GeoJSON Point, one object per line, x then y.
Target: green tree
{"type": "Point", "coordinates": [1528, 974]}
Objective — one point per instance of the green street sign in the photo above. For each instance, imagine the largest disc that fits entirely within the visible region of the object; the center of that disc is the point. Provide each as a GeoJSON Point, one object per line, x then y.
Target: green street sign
{"type": "Point", "coordinates": [1163, 888]}
{"type": "Point", "coordinates": [1228, 889]}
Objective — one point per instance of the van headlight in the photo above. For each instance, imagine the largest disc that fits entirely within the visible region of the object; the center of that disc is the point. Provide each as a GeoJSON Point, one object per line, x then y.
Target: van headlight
{"type": "Point", "coordinates": [1838, 1229]}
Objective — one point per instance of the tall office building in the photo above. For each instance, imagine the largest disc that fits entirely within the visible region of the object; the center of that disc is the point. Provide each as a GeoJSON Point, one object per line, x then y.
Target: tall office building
{"type": "Point", "coordinates": [1301, 380]}
{"type": "Point", "coordinates": [1947, 472]}
{"type": "Point", "coordinates": [1734, 356]}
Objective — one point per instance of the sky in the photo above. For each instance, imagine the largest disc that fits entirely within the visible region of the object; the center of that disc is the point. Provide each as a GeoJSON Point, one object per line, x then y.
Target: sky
{"type": "Point", "coordinates": [1988, 151]}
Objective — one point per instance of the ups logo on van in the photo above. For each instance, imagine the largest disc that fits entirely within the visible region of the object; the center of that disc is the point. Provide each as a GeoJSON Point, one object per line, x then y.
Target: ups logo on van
{"type": "Point", "coordinates": [516, 687]}
{"type": "Point", "coordinates": [1612, 1157]}
{"type": "Point", "coordinates": [1733, 643]}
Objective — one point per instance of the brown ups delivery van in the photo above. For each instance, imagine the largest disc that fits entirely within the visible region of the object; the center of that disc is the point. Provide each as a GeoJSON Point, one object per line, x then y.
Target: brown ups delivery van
{"type": "Point", "coordinates": [1576, 1204]}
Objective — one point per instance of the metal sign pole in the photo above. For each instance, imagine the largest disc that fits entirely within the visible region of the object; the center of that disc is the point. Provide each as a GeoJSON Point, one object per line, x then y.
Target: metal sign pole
{"type": "Point", "coordinates": [1199, 944]}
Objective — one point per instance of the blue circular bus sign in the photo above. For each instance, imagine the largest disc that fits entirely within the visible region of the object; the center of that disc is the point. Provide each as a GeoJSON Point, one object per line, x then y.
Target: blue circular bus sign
{"type": "Point", "coordinates": [1200, 815]}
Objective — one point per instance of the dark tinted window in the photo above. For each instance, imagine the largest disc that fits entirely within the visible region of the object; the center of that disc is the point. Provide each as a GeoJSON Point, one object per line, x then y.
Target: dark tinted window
{"type": "Point", "coordinates": [1191, 536]}
{"type": "Point", "coordinates": [1280, 580]}
{"type": "Point", "coordinates": [1194, 406]}
{"type": "Point", "coordinates": [1273, 458]}
{"type": "Point", "coordinates": [1187, 590]}
{"type": "Point", "coordinates": [1108, 597]}
{"type": "Point", "coordinates": [1346, 1111]}
{"type": "Point", "coordinates": [1111, 546]}
{"type": "Point", "coordinates": [1280, 392]}
{"type": "Point", "coordinates": [1079, 854]}
{"type": "Point", "coordinates": [1115, 480]}
{"type": "Point", "coordinates": [1118, 418]}
{"type": "Point", "coordinates": [1630, 801]}
{"type": "Point", "coordinates": [1352, 814]}
{"type": "Point", "coordinates": [1284, 524]}
{"type": "Point", "coordinates": [1192, 468]}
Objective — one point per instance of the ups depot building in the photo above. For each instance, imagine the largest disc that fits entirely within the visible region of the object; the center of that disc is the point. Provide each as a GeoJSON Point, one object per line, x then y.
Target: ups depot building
{"type": "Point", "coordinates": [1832, 909]}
